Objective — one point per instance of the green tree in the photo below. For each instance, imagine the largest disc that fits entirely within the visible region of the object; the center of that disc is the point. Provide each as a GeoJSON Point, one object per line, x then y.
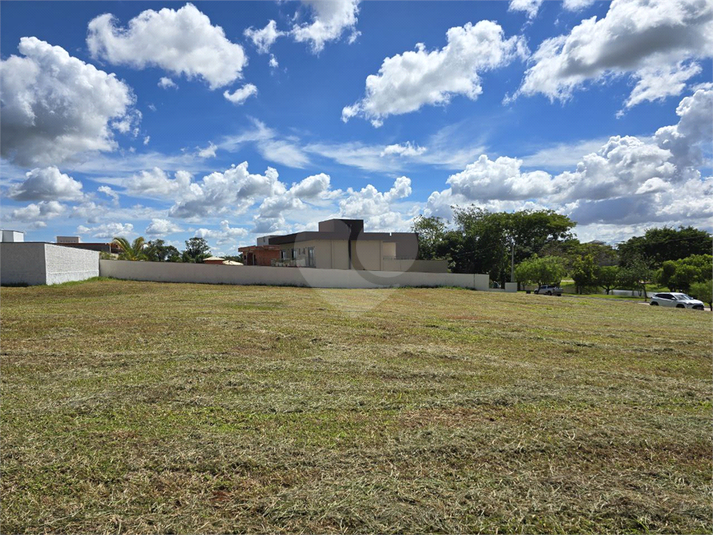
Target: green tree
{"type": "Point", "coordinates": [131, 251]}
{"type": "Point", "coordinates": [488, 237]}
{"type": "Point", "coordinates": [540, 271]}
{"type": "Point", "coordinates": [453, 248]}
{"type": "Point", "coordinates": [702, 264]}
{"type": "Point", "coordinates": [485, 245]}
{"type": "Point", "coordinates": [636, 275]}
{"type": "Point", "coordinates": [660, 244]}
{"type": "Point", "coordinates": [196, 251]}
{"type": "Point", "coordinates": [664, 274]}
{"type": "Point", "coordinates": [584, 272]}
{"type": "Point", "coordinates": [703, 291]}
{"type": "Point", "coordinates": [680, 274]}
{"type": "Point", "coordinates": [607, 277]}
{"type": "Point", "coordinates": [682, 278]}
{"type": "Point", "coordinates": [431, 232]}
{"type": "Point", "coordinates": [158, 251]}
{"type": "Point", "coordinates": [602, 253]}
{"type": "Point", "coordinates": [533, 230]}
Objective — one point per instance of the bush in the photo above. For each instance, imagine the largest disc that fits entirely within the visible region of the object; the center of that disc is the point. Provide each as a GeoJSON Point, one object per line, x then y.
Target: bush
{"type": "Point", "coordinates": [545, 270]}
{"type": "Point", "coordinates": [703, 291]}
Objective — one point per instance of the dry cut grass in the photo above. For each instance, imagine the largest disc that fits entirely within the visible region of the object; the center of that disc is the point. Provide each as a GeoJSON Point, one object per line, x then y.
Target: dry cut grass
{"type": "Point", "coordinates": [134, 407]}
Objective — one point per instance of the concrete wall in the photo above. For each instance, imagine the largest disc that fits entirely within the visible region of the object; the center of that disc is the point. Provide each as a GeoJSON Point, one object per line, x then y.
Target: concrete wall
{"type": "Point", "coordinates": [34, 263]}
{"type": "Point", "coordinates": [422, 266]}
{"type": "Point", "coordinates": [22, 263]}
{"type": "Point", "coordinates": [64, 264]}
{"type": "Point", "coordinates": [278, 276]}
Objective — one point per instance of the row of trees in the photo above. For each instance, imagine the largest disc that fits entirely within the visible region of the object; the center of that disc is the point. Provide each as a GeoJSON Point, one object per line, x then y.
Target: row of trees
{"type": "Point", "coordinates": [482, 241]}
{"type": "Point", "coordinates": [196, 250]}
{"type": "Point", "coordinates": [545, 251]}
{"type": "Point", "coordinates": [693, 275]}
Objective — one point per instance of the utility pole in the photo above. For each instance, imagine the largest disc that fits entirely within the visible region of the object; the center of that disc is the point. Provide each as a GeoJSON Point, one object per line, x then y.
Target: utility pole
{"type": "Point", "coordinates": [512, 259]}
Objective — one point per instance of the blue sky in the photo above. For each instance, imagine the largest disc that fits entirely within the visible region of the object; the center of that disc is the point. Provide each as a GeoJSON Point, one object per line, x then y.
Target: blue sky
{"type": "Point", "coordinates": [169, 120]}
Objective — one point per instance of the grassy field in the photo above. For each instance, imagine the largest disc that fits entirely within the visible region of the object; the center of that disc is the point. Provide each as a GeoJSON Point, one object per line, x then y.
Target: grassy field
{"type": "Point", "coordinates": [135, 407]}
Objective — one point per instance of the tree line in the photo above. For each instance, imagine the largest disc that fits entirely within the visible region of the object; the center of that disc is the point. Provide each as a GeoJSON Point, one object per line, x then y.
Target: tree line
{"type": "Point", "coordinates": [196, 251]}
{"type": "Point", "coordinates": [542, 248]}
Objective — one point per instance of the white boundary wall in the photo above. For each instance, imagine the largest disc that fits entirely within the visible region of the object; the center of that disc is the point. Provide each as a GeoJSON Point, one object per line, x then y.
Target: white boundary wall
{"type": "Point", "coordinates": [35, 263]}
{"type": "Point", "coordinates": [64, 264]}
{"type": "Point", "coordinates": [283, 276]}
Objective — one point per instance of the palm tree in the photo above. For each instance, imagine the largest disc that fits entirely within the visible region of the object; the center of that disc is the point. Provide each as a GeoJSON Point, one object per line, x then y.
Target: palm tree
{"type": "Point", "coordinates": [133, 251]}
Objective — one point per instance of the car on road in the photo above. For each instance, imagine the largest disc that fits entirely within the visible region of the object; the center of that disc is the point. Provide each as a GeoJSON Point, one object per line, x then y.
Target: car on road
{"type": "Point", "coordinates": [677, 300]}
{"type": "Point", "coordinates": [549, 289]}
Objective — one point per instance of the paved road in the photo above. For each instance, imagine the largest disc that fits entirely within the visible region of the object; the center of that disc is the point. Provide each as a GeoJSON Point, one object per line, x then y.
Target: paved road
{"type": "Point", "coordinates": [647, 304]}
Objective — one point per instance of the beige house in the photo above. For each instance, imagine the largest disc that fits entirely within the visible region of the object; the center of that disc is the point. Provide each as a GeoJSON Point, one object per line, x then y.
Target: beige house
{"type": "Point", "coordinates": [343, 244]}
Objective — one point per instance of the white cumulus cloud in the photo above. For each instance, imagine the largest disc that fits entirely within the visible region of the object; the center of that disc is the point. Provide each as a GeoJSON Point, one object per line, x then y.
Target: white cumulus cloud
{"type": "Point", "coordinates": [659, 82]}
{"type": "Point", "coordinates": [239, 96]}
{"type": "Point", "coordinates": [166, 83]}
{"type": "Point", "coordinates": [529, 7]}
{"type": "Point", "coordinates": [226, 233]}
{"type": "Point", "coordinates": [499, 179]}
{"type": "Point", "coordinates": [162, 227]}
{"type": "Point", "coordinates": [408, 81]}
{"type": "Point", "coordinates": [311, 187]}
{"type": "Point", "coordinates": [55, 106]}
{"type": "Point", "coordinates": [182, 41]}
{"type": "Point", "coordinates": [108, 230]}
{"type": "Point", "coordinates": [236, 189]}
{"type": "Point", "coordinates": [380, 210]}
{"type": "Point", "coordinates": [628, 181]}
{"type": "Point", "coordinates": [47, 184]}
{"type": "Point", "coordinates": [156, 183]}
{"type": "Point", "coordinates": [38, 212]}
{"type": "Point", "coordinates": [693, 131]}
{"type": "Point", "coordinates": [653, 41]}
{"type": "Point", "coordinates": [330, 20]}
{"type": "Point", "coordinates": [577, 5]}
{"type": "Point", "coordinates": [263, 39]}
{"type": "Point", "coordinates": [209, 151]}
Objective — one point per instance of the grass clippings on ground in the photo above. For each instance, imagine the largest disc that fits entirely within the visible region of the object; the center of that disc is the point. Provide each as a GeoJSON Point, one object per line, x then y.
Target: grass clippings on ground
{"type": "Point", "coordinates": [152, 408]}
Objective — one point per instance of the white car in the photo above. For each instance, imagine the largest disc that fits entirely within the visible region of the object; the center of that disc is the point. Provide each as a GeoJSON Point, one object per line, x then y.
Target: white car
{"type": "Point", "coordinates": [677, 300]}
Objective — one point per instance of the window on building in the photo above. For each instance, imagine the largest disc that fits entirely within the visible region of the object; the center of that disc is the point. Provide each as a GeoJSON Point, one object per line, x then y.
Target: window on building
{"type": "Point", "coordinates": [310, 257]}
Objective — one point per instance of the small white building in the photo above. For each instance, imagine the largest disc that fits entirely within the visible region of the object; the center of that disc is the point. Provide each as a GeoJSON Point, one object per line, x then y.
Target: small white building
{"type": "Point", "coordinates": [12, 236]}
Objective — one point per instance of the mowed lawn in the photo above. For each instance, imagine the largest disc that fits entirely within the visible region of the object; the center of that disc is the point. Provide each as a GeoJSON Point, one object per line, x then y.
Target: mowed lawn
{"type": "Point", "coordinates": [134, 407]}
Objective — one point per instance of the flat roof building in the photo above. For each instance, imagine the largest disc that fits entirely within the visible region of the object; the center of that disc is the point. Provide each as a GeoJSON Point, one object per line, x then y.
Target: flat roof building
{"type": "Point", "coordinates": [343, 244]}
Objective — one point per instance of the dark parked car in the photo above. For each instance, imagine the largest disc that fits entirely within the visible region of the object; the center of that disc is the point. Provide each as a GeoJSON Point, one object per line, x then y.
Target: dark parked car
{"type": "Point", "coordinates": [549, 289]}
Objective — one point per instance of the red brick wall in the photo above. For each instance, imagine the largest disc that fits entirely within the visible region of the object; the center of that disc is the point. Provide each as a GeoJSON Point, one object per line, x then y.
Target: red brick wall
{"type": "Point", "coordinates": [260, 256]}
